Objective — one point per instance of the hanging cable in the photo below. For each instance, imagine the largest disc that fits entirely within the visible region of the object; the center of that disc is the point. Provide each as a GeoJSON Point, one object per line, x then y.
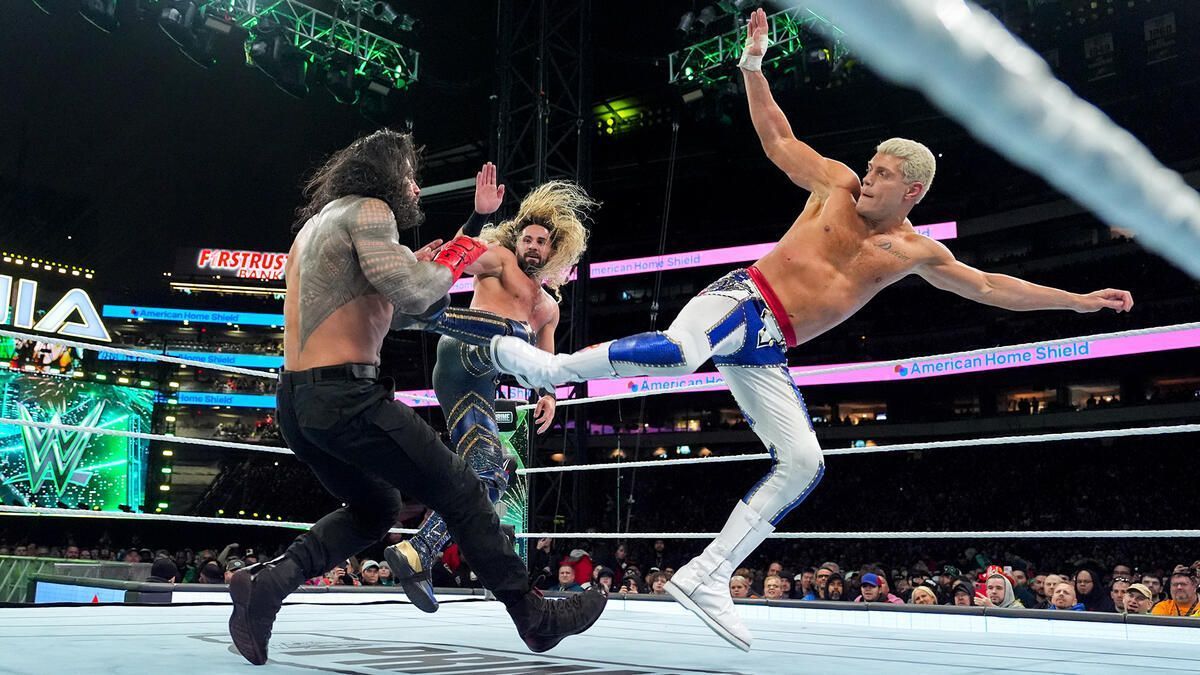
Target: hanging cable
{"type": "Point", "coordinates": [654, 304]}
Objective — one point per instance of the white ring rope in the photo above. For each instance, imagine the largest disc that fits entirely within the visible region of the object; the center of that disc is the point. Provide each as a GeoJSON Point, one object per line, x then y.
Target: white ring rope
{"type": "Point", "coordinates": [148, 437]}
{"type": "Point", "coordinates": [122, 515]}
{"type": "Point", "coordinates": [895, 447]}
{"type": "Point", "coordinates": [140, 355]}
{"type": "Point", "coordinates": [965, 61]}
{"type": "Point", "coordinates": [896, 362]}
{"type": "Point", "coordinates": [968, 534]}
{"type": "Point", "coordinates": [151, 356]}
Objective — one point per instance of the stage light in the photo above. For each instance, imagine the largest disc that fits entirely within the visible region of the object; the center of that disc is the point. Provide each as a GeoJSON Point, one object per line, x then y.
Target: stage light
{"type": "Point", "coordinates": [100, 13]}
{"type": "Point", "coordinates": [707, 15]}
{"type": "Point", "coordinates": [183, 21]}
{"type": "Point", "coordinates": [406, 23]}
{"type": "Point", "coordinates": [382, 11]}
{"type": "Point", "coordinates": [340, 80]}
{"type": "Point", "coordinates": [687, 22]}
{"type": "Point", "coordinates": [376, 100]}
{"type": "Point", "coordinates": [271, 51]}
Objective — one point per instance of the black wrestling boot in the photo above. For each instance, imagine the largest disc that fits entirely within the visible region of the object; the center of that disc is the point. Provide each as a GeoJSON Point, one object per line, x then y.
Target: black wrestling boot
{"type": "Point", "coordinates": [542, 623]}
{"type": "Point", "coordinates": [412, 576]}
{"type": "Point", "coordinates": [258, 592]}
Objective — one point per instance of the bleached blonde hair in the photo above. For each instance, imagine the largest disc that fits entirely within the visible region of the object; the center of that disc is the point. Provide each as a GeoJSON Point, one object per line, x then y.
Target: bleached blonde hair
{"type": "Point", "coordinates": [560, 207]}
{"type": "Point", "coordinates": [919, 162]}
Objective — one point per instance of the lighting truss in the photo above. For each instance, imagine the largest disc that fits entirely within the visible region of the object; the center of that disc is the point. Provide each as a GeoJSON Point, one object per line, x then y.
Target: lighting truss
{"type": "Point", "coordinates": [321, 35]}
{"type": "Point", "coordinates": [791, 31]}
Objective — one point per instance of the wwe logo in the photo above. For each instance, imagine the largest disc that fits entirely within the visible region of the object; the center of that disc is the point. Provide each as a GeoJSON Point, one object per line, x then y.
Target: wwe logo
{"type": "Point", "coordinates": [54, 454]}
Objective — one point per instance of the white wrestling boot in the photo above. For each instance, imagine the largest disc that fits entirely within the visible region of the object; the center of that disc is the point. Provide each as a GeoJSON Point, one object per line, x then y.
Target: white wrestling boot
{"type": "Point", "coordinates": [702, 585]}
{"type": "Point", "coordinates": [542, 370]}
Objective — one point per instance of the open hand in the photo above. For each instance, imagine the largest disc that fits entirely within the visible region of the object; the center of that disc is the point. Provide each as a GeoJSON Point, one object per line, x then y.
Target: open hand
{"type": "Point", "coordinates": [1109, 298]}
{"type": "Point", "coordinates": [756, 33]}
{"type": "Point", "coordinates": [488, 195]}
{"type": "Point", "coordinates": [426, 252]}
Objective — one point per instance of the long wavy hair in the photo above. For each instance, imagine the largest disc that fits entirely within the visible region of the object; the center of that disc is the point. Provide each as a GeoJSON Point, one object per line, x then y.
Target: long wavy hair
{"type": "Point", "coordinates": [379, 165]}
{"type": "Point", "coordinates": [560, 207]}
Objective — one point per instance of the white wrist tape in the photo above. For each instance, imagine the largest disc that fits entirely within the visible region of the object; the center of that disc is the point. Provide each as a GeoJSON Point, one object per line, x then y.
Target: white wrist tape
{"type": "Point", "coordinates": [750, 62]}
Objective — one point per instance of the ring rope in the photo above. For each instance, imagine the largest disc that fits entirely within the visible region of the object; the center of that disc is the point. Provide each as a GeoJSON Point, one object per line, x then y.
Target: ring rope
{"type": "Point", "coordinates": [967, 534]}
{"type": "Point", "coordinates": [1006, 95]}
{"type": "Point", "coordinates": [166, 438]}
{"type": "Point", "coordinates": [122, 515]}
{"type": "Point", "coordinates": [896, 362]}
{"type": "Point", "coordinates": [140, 355]}
{"type": "Point", "coordinates": [895, 447]}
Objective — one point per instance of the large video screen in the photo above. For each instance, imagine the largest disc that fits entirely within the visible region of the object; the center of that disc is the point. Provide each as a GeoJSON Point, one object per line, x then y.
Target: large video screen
{"type": "Point", "coordinates": [46, 467]}
{"type": "Point", "coordinates": [42, 357]}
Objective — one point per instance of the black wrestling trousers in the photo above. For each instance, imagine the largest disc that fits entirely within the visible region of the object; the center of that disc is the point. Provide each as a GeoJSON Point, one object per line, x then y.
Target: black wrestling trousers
{"type": "Point", "coordinates": [367, 449]}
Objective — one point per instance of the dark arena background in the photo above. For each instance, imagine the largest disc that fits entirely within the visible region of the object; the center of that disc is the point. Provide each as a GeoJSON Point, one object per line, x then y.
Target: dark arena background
{"type": "Point", "coordinates": [153, 156]}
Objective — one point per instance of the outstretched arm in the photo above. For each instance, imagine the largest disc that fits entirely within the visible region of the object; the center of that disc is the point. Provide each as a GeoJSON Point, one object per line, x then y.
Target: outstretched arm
{"type": "Point", "coordinates": [803, 165]}
{"type": "Point", "coordinates": [410, 284]}
{"type": "Point", "coordinates": [943, 271]}
{"type": "Point", "coordinates": [488, 198]}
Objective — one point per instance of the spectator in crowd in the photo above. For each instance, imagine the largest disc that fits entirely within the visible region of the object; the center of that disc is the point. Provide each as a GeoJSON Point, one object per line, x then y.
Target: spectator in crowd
{"type": "Point", "coordinates": [1037, 585]}
{"type": "Point", "coordinates": [1138, 599]}
{"type": "Point", "coordinates": [802, 585]}
{"type": "Point", "coordinates": [1090, 591]}
{"type": "Point", "coordinates": [1183, 600]}
{"type": "Point", "coordinates": [657, 583]}
{"type": "Point", "coordinates": [1051, 582]}
{"type": "Point", "coordinates": [739, 586]}
{"type": "Point", "coordinates": [1116, 591]}
{"type": "Point", "coordinates": [1122, 570]}
{"type": "Point", "coordinates": [233, 565]}
{"type": "Point", "coordinates": [773, 588]}
{"type": "Point", "coordinates": [385, 575]}
{"type": "Point", "coordinates": [72, 553]}
{"type": "Point", "coordinates": [541, 558]}
{"type": "Point", "coordinates": [948, 578]}
{"type": "Point", "coordinates": [962, 594]}
{"type": "Point", "coordinates": [1063, 598]}
{"type": "Point", "coordinates": [580, 562]}
{"type": "Point", "coordinates": [785, 580]}
{"type": "Point", "coordinates": [659, 557]}
{"type": "Point", "coordinates": [1154, 583]}
{"type": "Point", "coordinates": [998, 592]}
{"type": "Point", "coordinates": [834, 588]}
{"type": "Point", "coordinates": [163, 571]}
{"type": "Point", "coordinates": [1020, 582]}
{"type": "Point", "coordinates": [566, 580]}
{"type": "Point", "coordinates": [630, 585]}
{"type": "Point", "coordinates": [821, 578]}
{"type": "Point", "coordinates": [774, 569]}
{"type": "Point", "coordinates": [923, 595]}
{"type": "Point", "coordinates": [872, 589]}
{"type": "Point", "coordinates": [370, 573]}
{"type": "Point", "coordinates": [605, 578]}
{"type": "Point", "coordinates": [211, 573]}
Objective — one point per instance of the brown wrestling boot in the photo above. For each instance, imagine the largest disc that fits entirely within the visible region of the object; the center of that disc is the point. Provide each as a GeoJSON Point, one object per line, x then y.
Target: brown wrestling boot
{"type": "Point", "coordinates": [543, 622]}
{"type": "Point", "coordinates": [258, 592]}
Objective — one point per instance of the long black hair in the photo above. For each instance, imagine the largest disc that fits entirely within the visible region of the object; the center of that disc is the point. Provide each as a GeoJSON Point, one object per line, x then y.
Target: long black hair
{"type": "Point", "coordinates": [379, 165]}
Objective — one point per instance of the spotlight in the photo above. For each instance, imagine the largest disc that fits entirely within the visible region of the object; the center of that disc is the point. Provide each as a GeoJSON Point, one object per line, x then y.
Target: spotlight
{"type": "Point", "coordinates": [686, 23]}
{"type": "Point", "coordinates": [101, 13]}
{"type": "Point", "coordinates": [707, 16]}
{"type": "Point", "coordinates": [376, 101]}
{"type": "Point", "coordinates": [270, 50]}
{"type": "Point", "coordinates": [339, 78]}
{"type": "Point", "coordinates": [382, 11]}
{"type": "Point", "coordinates": [183, 21]}
{"type": "Point", "coordinates": [406, 23]}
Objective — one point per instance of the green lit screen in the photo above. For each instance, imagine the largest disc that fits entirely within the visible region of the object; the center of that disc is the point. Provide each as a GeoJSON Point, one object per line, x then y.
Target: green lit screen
{"type": "Point", "coordinates": [44, 467]}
